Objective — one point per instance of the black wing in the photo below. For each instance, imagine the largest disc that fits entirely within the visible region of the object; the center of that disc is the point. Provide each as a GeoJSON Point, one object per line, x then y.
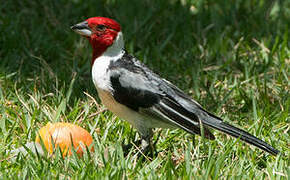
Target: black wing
{"type": "Point", "coordinates": [139, 88]}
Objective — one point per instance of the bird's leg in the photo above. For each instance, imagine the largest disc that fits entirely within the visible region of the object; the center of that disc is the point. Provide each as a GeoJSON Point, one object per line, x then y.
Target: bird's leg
{"type": "Point", "coordinates": [126, 147]}
{"type": "Point", "coordinates": [146, 143]}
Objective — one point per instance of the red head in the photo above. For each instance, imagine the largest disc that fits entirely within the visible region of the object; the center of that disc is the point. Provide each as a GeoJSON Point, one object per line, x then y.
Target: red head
{"type": "Point", "coordinates": [100, 31]}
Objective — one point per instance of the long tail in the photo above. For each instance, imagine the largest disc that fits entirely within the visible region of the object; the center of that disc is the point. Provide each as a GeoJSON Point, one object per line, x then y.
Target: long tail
{"type": "Point", "coordinates": [216, 123]}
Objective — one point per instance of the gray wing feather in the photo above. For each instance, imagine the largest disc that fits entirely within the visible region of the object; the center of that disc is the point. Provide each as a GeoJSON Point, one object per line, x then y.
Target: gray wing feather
{"type": "Point", "coordinates": [142, 90]}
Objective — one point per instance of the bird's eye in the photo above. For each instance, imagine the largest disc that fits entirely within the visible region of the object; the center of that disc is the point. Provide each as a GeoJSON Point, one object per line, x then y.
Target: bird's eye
{"type": "Point", "coordinates": [101, 27]}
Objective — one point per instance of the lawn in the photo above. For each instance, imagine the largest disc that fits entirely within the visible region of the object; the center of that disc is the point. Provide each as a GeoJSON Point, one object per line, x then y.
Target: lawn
{"type": "Point", "coordinates": [233, 57]}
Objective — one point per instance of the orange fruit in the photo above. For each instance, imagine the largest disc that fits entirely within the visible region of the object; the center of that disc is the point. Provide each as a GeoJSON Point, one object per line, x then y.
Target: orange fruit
{"type": "Point", "coordinates": [63, 135]}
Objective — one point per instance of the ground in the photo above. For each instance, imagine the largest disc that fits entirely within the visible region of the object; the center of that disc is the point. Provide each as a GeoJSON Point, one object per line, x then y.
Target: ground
{"type": "Point", "coordinates": [233, 57]}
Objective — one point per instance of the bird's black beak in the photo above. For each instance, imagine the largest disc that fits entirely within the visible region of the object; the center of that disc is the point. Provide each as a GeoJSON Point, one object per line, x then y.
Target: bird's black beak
{"type": "Point", "coordinates": [82, 28]}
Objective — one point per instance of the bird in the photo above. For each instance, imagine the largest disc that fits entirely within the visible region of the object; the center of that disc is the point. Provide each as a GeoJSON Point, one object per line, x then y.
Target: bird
{"type": "Point", "coordinates": [133, 92]}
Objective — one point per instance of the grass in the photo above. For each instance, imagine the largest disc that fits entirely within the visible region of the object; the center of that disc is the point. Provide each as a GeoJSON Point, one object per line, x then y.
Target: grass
{"type": "Point", "coordinates": [232, 57]}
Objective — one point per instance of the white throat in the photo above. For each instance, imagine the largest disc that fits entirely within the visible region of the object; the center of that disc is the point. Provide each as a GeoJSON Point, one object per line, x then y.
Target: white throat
{"type": "Point", "coordinates": [101, 64]}
{"type": "Point", "coordinates": [116, 48]}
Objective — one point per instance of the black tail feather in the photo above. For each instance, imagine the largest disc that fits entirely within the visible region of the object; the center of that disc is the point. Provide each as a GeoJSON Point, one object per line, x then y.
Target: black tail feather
{"type": "Point", "coordinates": [238, 133]}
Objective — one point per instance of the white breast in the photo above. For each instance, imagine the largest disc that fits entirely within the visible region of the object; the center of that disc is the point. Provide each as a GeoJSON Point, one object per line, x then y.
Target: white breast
{"type": "Point", "coordinates": [100, 75]}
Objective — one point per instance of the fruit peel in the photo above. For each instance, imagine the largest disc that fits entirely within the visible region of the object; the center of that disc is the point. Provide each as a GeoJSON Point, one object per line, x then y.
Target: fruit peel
{"type": "Point", "coordinates": [64, 135]}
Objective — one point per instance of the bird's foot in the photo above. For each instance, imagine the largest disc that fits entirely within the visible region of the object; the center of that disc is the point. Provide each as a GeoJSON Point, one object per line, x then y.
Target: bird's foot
{"type": "Point", "coordinates": [146, 149]}
{"type": "Point", "coordinates": [127, 147]}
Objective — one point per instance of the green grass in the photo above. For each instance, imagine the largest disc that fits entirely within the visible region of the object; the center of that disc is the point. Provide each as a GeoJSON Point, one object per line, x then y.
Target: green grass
{"type": "Point", "coordinates": [231, 56]}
